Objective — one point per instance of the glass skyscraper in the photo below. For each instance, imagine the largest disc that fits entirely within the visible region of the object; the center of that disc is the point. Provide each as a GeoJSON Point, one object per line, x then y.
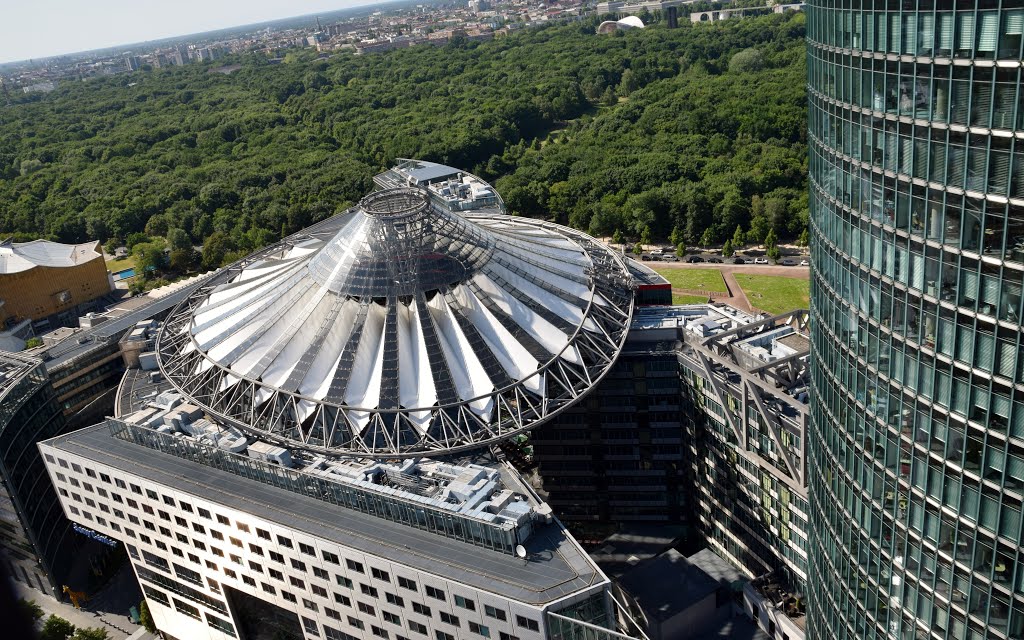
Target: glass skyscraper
{"type": "Point", "coordinates": [917, 216]}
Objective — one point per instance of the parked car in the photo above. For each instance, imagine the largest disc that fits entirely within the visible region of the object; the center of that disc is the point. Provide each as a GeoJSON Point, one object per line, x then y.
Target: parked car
{"type": "Point", "coordinates": [804, 263]}
{"type": "Point", "coordinates": [739, 260]}
{"type": "Point", "coordinates": [694, 259]}
{"type": "Point", "coordinates": [788, 262]}
{"type": "Point", "coordinates": [760, 260]}
{"type": "Point", "coordinates": [669, 258]}
{"type": "Point", "coordinates": [715, 260]}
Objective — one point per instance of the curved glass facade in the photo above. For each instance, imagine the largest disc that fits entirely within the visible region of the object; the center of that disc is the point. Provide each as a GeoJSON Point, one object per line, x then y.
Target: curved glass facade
{"type": "Point", "coordinates": [917, 216]}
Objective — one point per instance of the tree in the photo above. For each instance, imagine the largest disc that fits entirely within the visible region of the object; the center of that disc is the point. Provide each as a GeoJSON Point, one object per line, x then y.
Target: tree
{"type": "Point", "coordinates": [681, 249]}
{"type": "Point", "coordinates": [178, 240]}
{"type": "Point", "coordinates": [804, 239]}
{"type": "Point", "coordinates": [637, 249]}
{"type": "Point", "coordinates": [707, 238]}
{"type": "Point", "coordinates": [609, 98]}
{"type": "Point", "coordinates": [645, 236]}
{"type": "Point", "coordinates": [134, 239]}
{"type": "Point", "coordinates": [738, 237]}
{"type": "Point", "coordinates": [727, 250]}
{"type": "Point", "coordinates": [32, 343]}
{"type": "Point", "coordinates": [617, 237]}
{"type": "Point", "coordinates": [774, 253]}
{"type": "Point", "coordinates": [146, 618]}
{"type": "Point", "coordinates": [56, 628]}
{"type": "Point", "coordinates": [181, 260]}
{"type": "Point", "coordinates": [29, 608]}
{"type": "Point", "coordinates": [112, 245]}
{"type": "Point", "coordinates": [772, 240]}
{"type": "Point", "coordinates": [215, 248]}
{"type": "Point", "coordinates": [149, 256]}
{"type": "Point", "coordinates": [746, 61]}
{"type": "Point", "coordinates": [90, 633]}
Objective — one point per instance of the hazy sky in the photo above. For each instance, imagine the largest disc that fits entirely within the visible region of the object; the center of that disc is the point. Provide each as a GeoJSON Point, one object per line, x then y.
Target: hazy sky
{"type": "Point", "coordinates": [41, 28]}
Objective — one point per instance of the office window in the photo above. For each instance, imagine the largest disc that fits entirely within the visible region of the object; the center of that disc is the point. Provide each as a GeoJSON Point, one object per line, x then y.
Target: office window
{"type": "Point", "coordinates": [377, 631]}
{"type": "Point", "coordinates": [307, 549]}
{"type": "Point", "coordinates": [318, 590]}
{"type": "Point", "coordinates": [310, 626]}
{"type": "Point", "coordinates": [275, 574]}
{"type": "Point", "coordinates": [236, 542]}
{"type": "Point", "coordinates": [297, 564]}
{"type": "Point", "coordinates": [198, 528]}
{"type": "Point", "coordinates": [284, 542]}
{"type": "Point", "coordinates": [255, 567]}
{"type": "Point", "coordinates": [153, 496]}
{"type": "Point", "coordinates": [186, 507]}
{"type": "Point", "coordinates": [255, 549]}
{"type": "Point", "coordinates": [276, 557]}
{"type": "Point", "coordinates": [367, 609]}
{"type": "Point", "coordinates": [448, 618]}
{"type": "Point", "coordinates": [368, 590]}
{"type": "Point", "coordinates": [380, 575]}
{"type": "Point", "coordinates": [342, 599]}
{"type": "Point", "coordinates": [394, 599]}
{"type": "Point", "coordinates": [331, 557]}
{"type": "Point", "coordinates": [527, 623]}
{"type": "Point", "coordinates": [214, 585]}
{"type": "Point", "coordinates": [309, 604]}
{"type": "Point", "coordinates": [355, 622]}
{"type": "Point", "coordinates": [217, 552]}
{"type": "Point", "coordinates": [187, 609]}
{"type": "Point", "coordinates": [211, 565]}
{"type": "Point", "coordinates": [248, 580]}
{"type": "Point", "coordinates": [223, 520]}
{"type": "Point", "coordinates": [417, 627]}
{"type": "Point", "coordinates": [343, 581]}
{"type": "Point", "coordinates": [434, 593]}
{"type": "Point", "coordinates": [268, 588]}
{"type": "Point", "coordinates": [465, 603]}
{"type": "Point", "coordinates": [205, 513]}
{"type": "Point", "coordinates": [76, 467]}
{"type": "Point", "coordinates": [198, 545]}
{"type": "Point", "coordinates": [507, 636]}
{"type": "Point", "coordinates": [296, 582]}
{"type": "Point", "coordinates": [168, 500]}
{"type": "Point", "coordinates": [332, 613]}
{"type": "Point", "coordinates": [390, 617]}
{"type": "Point", "coordinates": [230, 573]}
{"type": "Point", "coordinates": [289, 596]}
{"type": "Point", "coordinates": [235, 558]}
{"type": "Point", "coordinates": [354, 566]}
{"type": "Point", "coordinates": [441, 635]}
{"type": "Point", "coordinates": [320, 573]}
{"type": "Point", "coordinates": [423, 610]}
{"type": "Point", "coordinates": [263, 533]}
{"type": "Point", "coordinates": [479, 629]}
{"type": "Point", "coordinates": [244, 528]}
{"type": "Point", "coordinates": [406, 583]}
{"type": "Point", "coordinates": [217, 535]}
{"type": "Point", "coordinates": [181, 522]}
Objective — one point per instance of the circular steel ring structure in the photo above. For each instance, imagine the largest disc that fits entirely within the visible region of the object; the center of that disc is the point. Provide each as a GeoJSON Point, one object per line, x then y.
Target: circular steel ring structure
{"type": "Point", "coordinates": [401, 328]}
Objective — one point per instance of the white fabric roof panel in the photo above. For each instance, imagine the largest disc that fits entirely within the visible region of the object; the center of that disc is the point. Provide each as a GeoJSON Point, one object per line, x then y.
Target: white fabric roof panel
{"type": "Point", "coordinates": [16, 257]}
{"type": "Point", "coordinates": [480, 307]}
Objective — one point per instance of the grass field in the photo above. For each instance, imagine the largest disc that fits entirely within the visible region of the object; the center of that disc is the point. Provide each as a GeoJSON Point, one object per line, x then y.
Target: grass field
{"type": "Point", "coordinates": [694, 279]}
{"type": "Point", "coordinates": [679, 298]}
{"type": "Point", "coordinates": [113, 266]}
{"type": "Point", "coordinates": [775, 294]}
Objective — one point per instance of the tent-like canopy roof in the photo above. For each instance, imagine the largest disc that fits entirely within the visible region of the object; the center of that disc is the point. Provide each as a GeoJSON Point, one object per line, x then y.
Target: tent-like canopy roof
{"type": "Point", "coordinates": [402, 328]}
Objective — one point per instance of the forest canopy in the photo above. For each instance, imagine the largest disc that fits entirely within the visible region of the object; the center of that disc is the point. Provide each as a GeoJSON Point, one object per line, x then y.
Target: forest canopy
{"type": "Point", "coordinates": [687, 133]}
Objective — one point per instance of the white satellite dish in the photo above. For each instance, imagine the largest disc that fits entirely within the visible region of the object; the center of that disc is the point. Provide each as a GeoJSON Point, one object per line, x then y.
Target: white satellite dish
{"type": "Point", "coordinates": [521, 551]}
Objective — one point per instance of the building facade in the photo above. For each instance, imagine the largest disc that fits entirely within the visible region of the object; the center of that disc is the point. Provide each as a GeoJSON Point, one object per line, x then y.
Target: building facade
{"type": "Point", "coordinates": [917, 222]}
{"type": "Point", "coordinates": [50, 283]}
{"type": "Point", "coordinates": [36, 541]}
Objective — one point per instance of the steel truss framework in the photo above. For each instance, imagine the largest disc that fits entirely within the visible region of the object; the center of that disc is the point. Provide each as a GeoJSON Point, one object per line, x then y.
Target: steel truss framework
{"type": "Point", "coordinates": [760, 387]}
{"type": "Point", "coordinates": [390, 433]}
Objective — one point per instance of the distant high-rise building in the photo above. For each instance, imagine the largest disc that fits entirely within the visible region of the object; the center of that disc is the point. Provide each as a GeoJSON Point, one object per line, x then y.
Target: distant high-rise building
{"type": "Point", "coordinates": [917, 226]}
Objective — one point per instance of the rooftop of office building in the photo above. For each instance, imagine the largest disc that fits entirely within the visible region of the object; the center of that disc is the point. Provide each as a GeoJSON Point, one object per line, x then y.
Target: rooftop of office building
{"type": "Point", "coordinates": [13, 368]}
{"type": "Point", "coordinates": [485, 508]}
{"type": "Point", "coordinates": [431, 323]}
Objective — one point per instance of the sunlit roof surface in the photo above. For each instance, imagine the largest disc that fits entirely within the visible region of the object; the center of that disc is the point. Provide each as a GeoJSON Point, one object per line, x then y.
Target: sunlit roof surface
{"type": "Point", "coordinates": [406, 329]}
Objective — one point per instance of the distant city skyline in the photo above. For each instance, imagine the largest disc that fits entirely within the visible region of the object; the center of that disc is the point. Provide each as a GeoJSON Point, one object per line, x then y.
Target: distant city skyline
{"type": "Point", "coordinates": [46, 28]}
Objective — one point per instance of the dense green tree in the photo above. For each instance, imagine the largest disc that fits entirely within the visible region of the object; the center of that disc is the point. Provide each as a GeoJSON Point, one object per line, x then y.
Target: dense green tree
{"type": "Point", "coordinates": [727, 249]}
{"type": "Point", "coordinates": [738, 237]}
{"type": "Point", "coordinates": [746, 61]}
{"type": "Point", "coordinates": [270, 149]}
{"type": "Point", "coordinates": [29, 608]}
{"type": "Point", "coordinates": [56, 628]}
{"type": "Point", "coordinates": [90, 633]}
{"type": "Point", "coordinates": [146, 618]}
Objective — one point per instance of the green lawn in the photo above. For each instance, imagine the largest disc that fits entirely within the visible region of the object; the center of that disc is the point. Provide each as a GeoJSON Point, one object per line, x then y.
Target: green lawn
{"type": "Point", "coordinates": [775, 294]}
{"type": "Point", "coordinates": [113, 266]}
{"type": "Point", "coordinates": [696, 279]}
{"type": "Point", "coordinates": [679, 298]}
